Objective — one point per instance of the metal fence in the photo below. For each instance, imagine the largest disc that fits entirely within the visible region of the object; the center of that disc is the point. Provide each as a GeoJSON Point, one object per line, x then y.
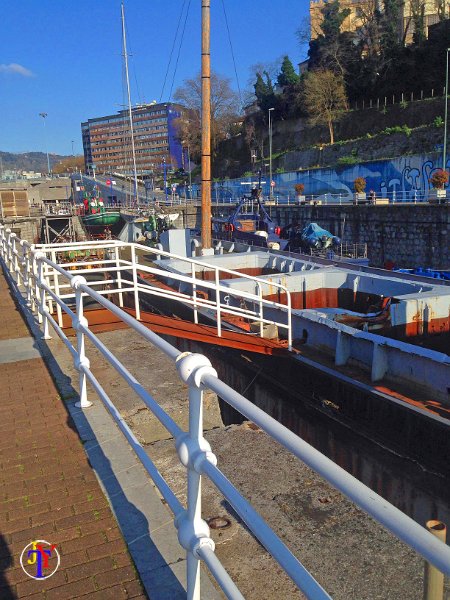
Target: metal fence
{"type": "Point", "coordinates": [30, 269]}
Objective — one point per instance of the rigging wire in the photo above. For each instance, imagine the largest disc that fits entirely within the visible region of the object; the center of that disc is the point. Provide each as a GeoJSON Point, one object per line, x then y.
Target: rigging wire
{"type": "Point", "coordinates": [179, 49]}
{"type": "Point", "coordinates": [127, 129]}
{"type": "Point", "coordinates": [232, 54]}
{"type": "Point", "coordinates": [173, 47]}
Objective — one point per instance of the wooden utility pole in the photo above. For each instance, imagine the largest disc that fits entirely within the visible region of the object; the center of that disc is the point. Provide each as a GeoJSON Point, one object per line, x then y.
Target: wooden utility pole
{"type": "Point", "coordinates": [206, 126]}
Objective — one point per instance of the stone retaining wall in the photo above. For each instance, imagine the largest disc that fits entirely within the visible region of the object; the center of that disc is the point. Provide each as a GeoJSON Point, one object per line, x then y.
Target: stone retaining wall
{"type": "Point", "coordinates": [410, 235]}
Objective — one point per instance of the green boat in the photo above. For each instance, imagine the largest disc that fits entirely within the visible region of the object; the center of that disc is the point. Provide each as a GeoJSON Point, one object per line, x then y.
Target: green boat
{"type": "Point", "coordinates": [95, 214]}
{"type": "Point", "coordinates": [105, 219]}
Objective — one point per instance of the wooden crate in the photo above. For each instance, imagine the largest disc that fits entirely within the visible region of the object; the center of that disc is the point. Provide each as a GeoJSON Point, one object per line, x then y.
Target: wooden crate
{"type": "Point", "coordinates": [247, 225]}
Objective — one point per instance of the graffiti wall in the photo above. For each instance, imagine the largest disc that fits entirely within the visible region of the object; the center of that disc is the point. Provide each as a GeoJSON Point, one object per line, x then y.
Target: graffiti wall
{"type": "Point", "coordinates": [402, 179]}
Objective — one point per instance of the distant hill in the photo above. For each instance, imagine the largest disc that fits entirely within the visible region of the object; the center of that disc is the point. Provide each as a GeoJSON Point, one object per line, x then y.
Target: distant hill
{"type": "Point", "coordinates": [28, 161]}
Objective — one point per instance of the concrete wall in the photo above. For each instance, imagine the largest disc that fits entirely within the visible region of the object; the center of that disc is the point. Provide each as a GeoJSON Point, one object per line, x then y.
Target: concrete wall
{"type": "Point", "coordinates": [27, 228]}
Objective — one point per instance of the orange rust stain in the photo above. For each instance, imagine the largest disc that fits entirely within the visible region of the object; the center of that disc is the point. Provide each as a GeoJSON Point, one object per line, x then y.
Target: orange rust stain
{"type": "Point", "coordinates": [440, 409]}
{"type": "Point", "coordinates": [101, 320]}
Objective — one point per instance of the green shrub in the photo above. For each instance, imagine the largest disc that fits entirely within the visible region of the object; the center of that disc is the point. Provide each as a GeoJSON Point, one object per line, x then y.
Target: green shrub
{"type": "Point", "coordinates": [397, 129]}
{"type": "Point", "coordinates": [347, 160]}
{"type": "Point", "coordinates": [247, 174]}
{"type": "Point", "coordinates": [438, 122]}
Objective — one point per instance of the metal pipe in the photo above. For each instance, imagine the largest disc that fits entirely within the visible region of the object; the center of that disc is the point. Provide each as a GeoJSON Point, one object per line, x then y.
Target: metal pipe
{"type": "Point", "coordinates": [434, 579]}
{"type": "Point", "coordinates": [172, 501]}
{"type": "Point", "coordinates": [194, 490]}
{"type": "Point", "coordinates": [225, 582]}
{"type": "Point", "coordinates": [270, 155]}
{"type": "Point", "coordinates": [444, 152]}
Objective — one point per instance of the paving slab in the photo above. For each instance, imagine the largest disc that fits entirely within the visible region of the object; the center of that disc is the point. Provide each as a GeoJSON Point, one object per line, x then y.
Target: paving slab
{"type": "Point", "coordinates": [18, 349]}
{"type": "Point", "coordinates": [133, 501]}
{"type": "Point", "coordinates": [48, 489]}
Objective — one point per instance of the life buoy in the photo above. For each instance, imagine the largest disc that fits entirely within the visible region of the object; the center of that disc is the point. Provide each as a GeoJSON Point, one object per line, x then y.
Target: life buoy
{"type": "Point", "coordinates": [229, 227]}
{"type": "Point", "coordinates": [277, 230]}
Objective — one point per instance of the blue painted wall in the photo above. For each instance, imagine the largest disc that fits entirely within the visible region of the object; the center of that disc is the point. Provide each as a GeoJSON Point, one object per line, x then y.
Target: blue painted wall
{"type": "Point", "coordinates": [406, 177]}
{"type": "Point", "coordinates": [174, 143]}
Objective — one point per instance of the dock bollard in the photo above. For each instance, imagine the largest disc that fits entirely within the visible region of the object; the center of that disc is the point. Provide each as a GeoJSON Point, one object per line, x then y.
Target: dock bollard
{"type": "Point", "coordinates": [434, 579]}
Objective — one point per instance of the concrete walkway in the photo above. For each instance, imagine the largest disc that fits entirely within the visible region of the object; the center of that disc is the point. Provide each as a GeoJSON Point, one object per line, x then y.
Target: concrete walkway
{"type": "Point", "coordinates": [48, 489]}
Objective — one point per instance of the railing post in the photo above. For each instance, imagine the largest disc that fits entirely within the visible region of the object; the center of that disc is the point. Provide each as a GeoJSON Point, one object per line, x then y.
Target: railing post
{"type": "Point", "coordinates": [218, 313]}
{"type": "Point", "coordinates": [193, 531]}
{"type": "Point", "coordinates": [8, 249]}
{"type": "Point", "coordinates": [118, 276]}
{"type": "Point", "coordinates": [135, 283]}
{"type": "Point", "coordinates": [42, 294]}
{"type": "Point", "coordinates": [81, 362]}
{"type": "Point", "coordinates": [194, 293]}
{"type": "Point", "coordinates": [47, 277]}
{"type": "Point", "coordinates": [56, 287]}
{"type": "Point", "coordinates": [434, 579]}
{"type": "Point", "coordinates": [13, 260]}
{"type": "Point", "coordinates": [26, 270]}
{"type": "Point", "coordinates": [261, 309]}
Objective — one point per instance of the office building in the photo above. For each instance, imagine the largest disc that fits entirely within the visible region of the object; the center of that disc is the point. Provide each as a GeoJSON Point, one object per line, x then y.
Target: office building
{"type": "Point", "coordinates": [107, 140]}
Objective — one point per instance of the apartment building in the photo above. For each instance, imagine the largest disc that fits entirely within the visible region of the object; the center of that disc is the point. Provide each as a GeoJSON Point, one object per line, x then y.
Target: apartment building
{"type": "Point", "coordinates": [107, 140]}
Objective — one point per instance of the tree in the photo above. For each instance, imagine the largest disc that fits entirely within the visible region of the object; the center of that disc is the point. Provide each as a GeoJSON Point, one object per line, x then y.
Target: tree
{"type": "Point", "coordinates": [324, 98]}
{"type": "Point", "coordinates": [69, 165]}
{"type": "Point", "coordinates": [264, 93]}
{"type": "Point", "coordinates": [287, 75]}
{"type": "Point", "coordinates": [224, 112]}
{"type": "Point", "coordinates": [441, 9]}
{"type": "Point", "coordinates": [328, 50]}
{"type": "Point", "coordinates": [418, 19]}
{"type": "Point", "coordinates": [390, 40]}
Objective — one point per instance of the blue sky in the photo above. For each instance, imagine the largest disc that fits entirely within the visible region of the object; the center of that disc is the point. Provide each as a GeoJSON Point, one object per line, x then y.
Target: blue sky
{"type": "Point", "coordinates": [63, 57]}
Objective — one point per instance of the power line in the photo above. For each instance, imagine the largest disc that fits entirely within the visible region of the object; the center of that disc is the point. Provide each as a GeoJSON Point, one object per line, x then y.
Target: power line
{"type": "Point", "coordinates": [179, 49]}
{"type": "Point", "coordinates": [232, 53]}
{"type": "Point", "coordinates": [173, 47]}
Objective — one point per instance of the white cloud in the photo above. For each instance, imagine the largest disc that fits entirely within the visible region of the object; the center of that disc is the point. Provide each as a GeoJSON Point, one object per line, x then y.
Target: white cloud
{"type": "Point", "coordinates": [16, 69]}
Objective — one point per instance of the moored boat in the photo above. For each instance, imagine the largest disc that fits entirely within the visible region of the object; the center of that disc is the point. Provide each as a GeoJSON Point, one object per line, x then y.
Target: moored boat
{"type": "Point", "coordinates": [95, 213]}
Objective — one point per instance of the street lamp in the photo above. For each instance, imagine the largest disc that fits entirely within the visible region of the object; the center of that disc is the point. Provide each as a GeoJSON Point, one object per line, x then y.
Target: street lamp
{"type": "Point", "coordinates": [44, 115]}
{"type": "Point", "coordinates": [190, 172]}
{"type": "Point", "coordinates": [72, 148]}
{"type": "Point", "coordinates": [270, 154]}
{"type": "Point", "coordinates": [165, 177]}
{"type": "Point", "coordinates": [444, 153]}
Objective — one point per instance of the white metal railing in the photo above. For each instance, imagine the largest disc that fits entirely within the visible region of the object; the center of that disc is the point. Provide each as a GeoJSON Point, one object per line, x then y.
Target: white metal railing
{"type": "Point", "coordinates": [119, 268]}
{"type": "Point", "coordinates": [26, 266]}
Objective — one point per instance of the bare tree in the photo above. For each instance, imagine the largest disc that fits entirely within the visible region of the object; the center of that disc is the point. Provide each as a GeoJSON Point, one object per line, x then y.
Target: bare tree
{"type": "Point", "coordinates": [224, 111]}
{"type": "Point", "coordinates": [272, 69]}
{"type": "Point", "coordinates": [69, 164]}
{"type": "Point", "coordinates": [324, 98]}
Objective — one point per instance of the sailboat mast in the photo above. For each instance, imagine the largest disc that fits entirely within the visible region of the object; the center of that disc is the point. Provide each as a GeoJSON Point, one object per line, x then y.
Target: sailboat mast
{"type": "Point", "coordinates": [125, 55]}
{"type": "Point", "coordinates": [206, 126]}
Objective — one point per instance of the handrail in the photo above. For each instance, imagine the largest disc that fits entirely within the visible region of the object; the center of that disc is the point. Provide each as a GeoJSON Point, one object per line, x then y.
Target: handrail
{"type": "Point", "coordinates": [215, 286]}
{"type": "Point", "coordinates": [193, 450]}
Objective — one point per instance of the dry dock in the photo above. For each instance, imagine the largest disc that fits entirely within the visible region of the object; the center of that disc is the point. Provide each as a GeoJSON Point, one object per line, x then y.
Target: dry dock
{"type": "Point", "coordinates": [349, 554]}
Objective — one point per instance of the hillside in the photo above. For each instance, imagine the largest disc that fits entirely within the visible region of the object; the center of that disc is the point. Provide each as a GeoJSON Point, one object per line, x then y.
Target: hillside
{"type": "Point", "coordinates": [361, 135]}
{"type": "Point", "coordinates": [28, 161]}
